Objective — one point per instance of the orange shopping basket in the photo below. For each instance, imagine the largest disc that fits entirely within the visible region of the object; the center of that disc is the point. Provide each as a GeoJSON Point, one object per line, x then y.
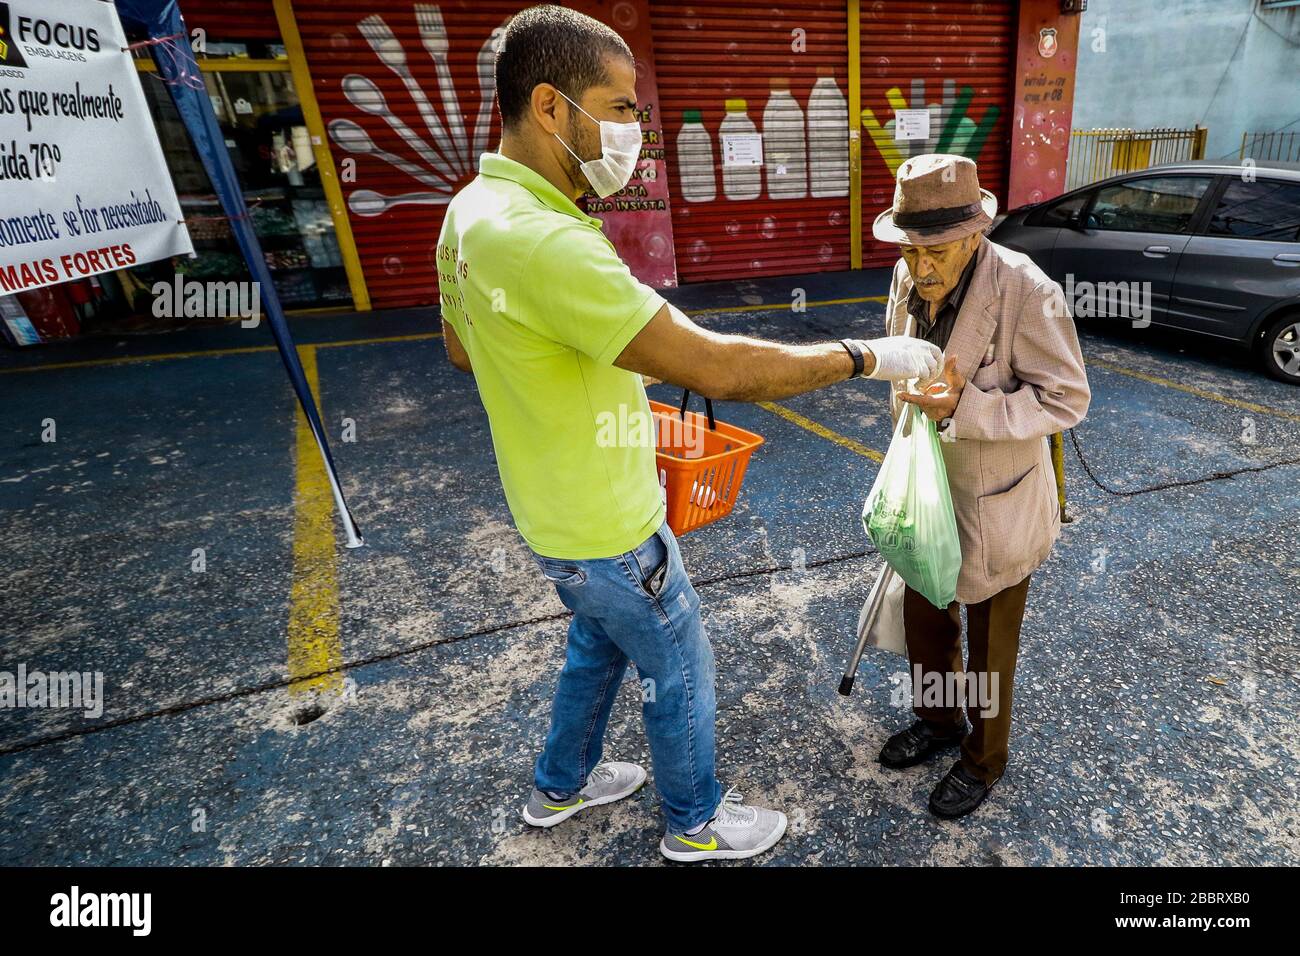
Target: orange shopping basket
{"type": "Point", "coordinates": [701, 463]}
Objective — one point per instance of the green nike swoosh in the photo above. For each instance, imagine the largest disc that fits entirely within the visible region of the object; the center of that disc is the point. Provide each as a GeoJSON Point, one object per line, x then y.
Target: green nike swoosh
{"type": "Point", "coordinates": [569, 807]}
{"type": "Point", "coordinates": [711, 845]}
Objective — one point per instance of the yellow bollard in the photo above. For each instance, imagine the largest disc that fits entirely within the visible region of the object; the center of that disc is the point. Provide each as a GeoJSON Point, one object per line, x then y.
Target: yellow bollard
{"type": "Point", "coordinates": [1058, 466]}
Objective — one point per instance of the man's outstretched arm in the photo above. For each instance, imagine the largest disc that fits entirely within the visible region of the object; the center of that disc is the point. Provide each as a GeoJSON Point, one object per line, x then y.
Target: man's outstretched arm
{"type": "Point", "coordinates": [738, 368]}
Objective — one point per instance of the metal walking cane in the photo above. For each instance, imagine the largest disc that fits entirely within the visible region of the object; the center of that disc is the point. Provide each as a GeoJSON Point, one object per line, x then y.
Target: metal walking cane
{"type": "Point", "coordinates": [875, 600]}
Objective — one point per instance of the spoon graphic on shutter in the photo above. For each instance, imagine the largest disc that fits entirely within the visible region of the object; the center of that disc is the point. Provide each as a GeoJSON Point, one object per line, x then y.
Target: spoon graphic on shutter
{"type": "Point", "coordinates": [356, 140]}
{"type": "Point", "coordinates": [367, 202]}
{"type": "Point", "coordinates": [391, 53]}
{"type": "Point", "coordinates": [362, 93]}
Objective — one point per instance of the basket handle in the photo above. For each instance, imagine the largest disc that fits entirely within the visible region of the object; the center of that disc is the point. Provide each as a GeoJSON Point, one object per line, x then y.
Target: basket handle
{"type": "Point", "coordinates": [708, 408]}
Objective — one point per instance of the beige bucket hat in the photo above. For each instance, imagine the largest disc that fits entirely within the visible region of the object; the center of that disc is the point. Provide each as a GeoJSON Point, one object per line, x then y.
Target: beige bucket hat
{"type": "Point", "coordinates": [937, 199]}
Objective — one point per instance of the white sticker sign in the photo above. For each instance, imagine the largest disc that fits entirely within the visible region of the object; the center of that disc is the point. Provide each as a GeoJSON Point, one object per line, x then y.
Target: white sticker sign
{"type": "Point", "coordinates": [911, 124]}
{"type": "Point", "coordinates": [742, 149]}
{"type": "Point", "coordinates": [83, 185]}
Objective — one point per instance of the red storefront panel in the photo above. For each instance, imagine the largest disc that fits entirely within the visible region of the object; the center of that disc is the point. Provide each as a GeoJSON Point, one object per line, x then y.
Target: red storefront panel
{"type": "Point", "coordinates": [232, 20]}
{"type": "Point", "coordinates": [953, 56]}
{"type": "Point", "coordinates": [1047, 55]}
{"type": "Point", "coordinates": [406, 130]}
{"type": "Point", "coordinates": [787, 62]}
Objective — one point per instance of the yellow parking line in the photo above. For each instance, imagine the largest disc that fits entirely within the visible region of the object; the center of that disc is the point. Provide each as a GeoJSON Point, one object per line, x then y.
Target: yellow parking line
{"type": "Point", "coordinates": [415, 337]}
{"type": "Point", "coordinates": [212, 353]}
{"type": "Point", "coordinates": [314, 642]}
{"type": "Point", "coordinates": [774, 306]}
{"type": "Point", "coordinates": [1192, 390]}
{"type": "Point", "coordinates": [134, 359]}
{"type": "Point", "coordinates": [821, 430]}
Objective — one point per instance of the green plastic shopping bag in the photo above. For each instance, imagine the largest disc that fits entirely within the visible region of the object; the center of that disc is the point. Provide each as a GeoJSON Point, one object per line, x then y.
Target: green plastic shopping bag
{"type": "Point", "coordinates": [908, 514]}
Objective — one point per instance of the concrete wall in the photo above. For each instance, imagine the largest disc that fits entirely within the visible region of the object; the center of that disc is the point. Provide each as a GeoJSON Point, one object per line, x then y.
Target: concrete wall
{"type": "Point", "coordinates": [1225, 64]}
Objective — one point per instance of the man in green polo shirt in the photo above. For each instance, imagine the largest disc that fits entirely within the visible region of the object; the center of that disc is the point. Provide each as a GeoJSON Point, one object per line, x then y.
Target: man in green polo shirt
{"type": "Point", "coordinates": [557, 333]}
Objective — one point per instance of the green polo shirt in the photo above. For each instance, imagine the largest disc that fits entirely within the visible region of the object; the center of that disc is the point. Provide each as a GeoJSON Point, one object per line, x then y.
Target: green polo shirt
{"type": "Point", "coordinates": [544, 305]}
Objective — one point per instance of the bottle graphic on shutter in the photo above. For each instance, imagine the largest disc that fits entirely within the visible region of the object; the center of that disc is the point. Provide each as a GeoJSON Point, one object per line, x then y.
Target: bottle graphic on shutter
{"type": "Point", "coordinates": [828, 137]}
{"type": "Point", "coordinates": [695, 160]}
{"type": "Point", "coordinates": [740, 182]}
{"type": "Point", "coordinates": [785, 151]}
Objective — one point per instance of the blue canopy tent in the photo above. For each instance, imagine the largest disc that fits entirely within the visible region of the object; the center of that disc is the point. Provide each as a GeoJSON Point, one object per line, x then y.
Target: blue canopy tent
{"type": "Point", "coordinates": [162, 20]}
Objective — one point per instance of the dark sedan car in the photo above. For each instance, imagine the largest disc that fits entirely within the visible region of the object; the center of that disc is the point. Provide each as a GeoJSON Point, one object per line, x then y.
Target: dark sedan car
{"type": "Point", "coordinates": [1209, 247]}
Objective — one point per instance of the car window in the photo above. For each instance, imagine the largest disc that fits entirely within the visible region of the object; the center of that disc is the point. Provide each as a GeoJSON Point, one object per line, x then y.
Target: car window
{"type": "Point", "coordinates": [1153, 204]}
{"type": "Point", "coordinates": [1264, 209]}
{"type": "Point", "coordinates": [1062, 211]}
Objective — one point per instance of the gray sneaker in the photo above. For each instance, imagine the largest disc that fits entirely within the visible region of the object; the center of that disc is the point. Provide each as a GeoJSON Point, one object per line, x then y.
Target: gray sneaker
{"type": "Point", "coordinates": [607, 782]}
{"type": "Point", "coordinates": [736, 831]}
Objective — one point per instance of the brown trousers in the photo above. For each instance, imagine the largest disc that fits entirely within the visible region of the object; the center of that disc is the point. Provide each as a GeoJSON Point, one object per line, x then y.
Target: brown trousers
{"type": "Point", "coordinates": [934, 645]}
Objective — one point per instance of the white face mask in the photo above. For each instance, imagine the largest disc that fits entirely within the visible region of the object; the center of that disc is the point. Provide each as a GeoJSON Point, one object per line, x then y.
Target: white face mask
{"type": "Point", "coordinates": [620, 145]}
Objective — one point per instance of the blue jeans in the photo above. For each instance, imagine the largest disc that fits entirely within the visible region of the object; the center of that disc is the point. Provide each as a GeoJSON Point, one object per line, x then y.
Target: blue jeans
{"type": "Point", "coordinates": [638, 606]}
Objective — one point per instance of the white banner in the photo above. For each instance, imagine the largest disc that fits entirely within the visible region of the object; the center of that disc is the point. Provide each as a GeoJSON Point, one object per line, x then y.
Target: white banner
{"type": "Point", "coordinates": [83, 185]}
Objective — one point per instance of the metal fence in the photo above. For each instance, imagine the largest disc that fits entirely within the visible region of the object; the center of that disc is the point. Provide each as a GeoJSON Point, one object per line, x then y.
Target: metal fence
{"type": "Point", "coordinates": [1279, 147]}
{"type": "Point", "coordinates": [1098, 153]}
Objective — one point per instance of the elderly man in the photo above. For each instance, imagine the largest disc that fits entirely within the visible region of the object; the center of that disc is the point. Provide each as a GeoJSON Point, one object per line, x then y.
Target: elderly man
{"type": "Point", "coordinates": [1013, 375]}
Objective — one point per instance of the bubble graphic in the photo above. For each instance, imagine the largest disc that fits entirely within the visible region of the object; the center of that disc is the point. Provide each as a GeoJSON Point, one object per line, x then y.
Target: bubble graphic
{"type": "Point", "coordinates": [657, 246]}
{"type": "Point", "coordinates": [624, 16]}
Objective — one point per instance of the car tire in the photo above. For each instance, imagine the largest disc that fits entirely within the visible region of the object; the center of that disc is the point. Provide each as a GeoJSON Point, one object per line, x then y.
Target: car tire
{"type": "Point", "coordinates": [1284, 332]}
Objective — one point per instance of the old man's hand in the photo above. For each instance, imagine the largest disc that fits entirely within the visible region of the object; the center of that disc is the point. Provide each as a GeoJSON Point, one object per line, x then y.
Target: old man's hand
{"type": "Point", "coordinates": [939, 399]}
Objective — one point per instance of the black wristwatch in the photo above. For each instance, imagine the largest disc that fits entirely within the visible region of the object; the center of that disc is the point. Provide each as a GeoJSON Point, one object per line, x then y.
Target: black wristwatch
{"type": "Point", "coordinates": [855, 353]}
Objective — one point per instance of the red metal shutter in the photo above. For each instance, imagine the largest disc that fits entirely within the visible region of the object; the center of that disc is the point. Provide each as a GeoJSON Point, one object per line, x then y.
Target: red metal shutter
{"type": "Point", "coordinates": [232, 20]}
{"type": "Point", "coordinates": [710, 52]}
{"type": "Point", "coordinates": [394, 155]}
{"type": "Point", "coordinates": [397, 242]}
{"type": "Point", "coordinates": [916, 50]}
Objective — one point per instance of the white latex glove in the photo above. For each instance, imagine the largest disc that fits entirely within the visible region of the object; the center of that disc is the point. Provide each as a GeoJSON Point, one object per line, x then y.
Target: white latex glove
{"type": "Point", "coordinates": [902, 357]}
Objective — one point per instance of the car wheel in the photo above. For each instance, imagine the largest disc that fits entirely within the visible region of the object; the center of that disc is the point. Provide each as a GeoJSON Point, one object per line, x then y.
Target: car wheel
{"type": "Point", "coordinates": [1279, 350]}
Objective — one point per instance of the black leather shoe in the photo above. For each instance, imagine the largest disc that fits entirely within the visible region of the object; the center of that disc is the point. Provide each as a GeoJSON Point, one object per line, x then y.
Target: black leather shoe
{"type": "Point", "coordinates": [917, 743]}
{"type": "Point", "coordinates": [958, 794]}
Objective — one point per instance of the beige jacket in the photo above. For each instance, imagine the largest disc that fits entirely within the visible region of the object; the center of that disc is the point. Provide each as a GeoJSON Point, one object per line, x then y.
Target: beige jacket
{"type": "Point", "coordinates": [999, 466]}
